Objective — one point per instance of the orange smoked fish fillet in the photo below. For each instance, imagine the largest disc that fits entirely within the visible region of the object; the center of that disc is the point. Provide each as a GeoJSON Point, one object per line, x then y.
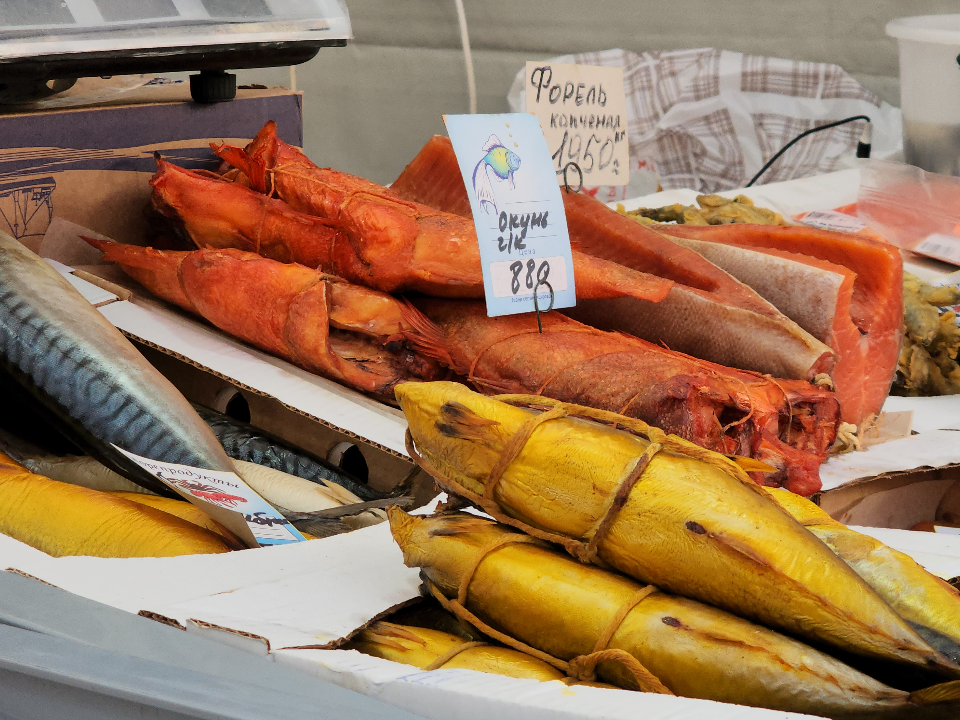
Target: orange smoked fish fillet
{"type": "Point", "coordinates": [864, 327]}
{"type": "Point", "coordinates": [350, 334]}
{"type": "Point", "coordinates": [707, 313]}
{"type": "Point", "coordinates": [788, 424]}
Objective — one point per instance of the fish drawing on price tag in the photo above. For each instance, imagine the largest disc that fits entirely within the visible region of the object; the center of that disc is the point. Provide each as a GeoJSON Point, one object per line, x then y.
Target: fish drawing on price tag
{"type": "Point", "coordinates": [517, 210]}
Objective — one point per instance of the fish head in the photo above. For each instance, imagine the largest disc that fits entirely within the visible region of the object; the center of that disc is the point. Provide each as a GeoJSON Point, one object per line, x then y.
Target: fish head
{"type": "Point", "coordinates": [513, 160]}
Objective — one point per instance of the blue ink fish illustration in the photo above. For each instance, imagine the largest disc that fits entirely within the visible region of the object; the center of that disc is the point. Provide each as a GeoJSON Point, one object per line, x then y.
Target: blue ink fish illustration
{"type": "Point", "coordinates": [502, 163]}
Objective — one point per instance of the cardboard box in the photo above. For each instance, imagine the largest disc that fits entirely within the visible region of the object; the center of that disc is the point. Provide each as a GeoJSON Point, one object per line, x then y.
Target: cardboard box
{"type": "Point", "coordinates": [91, 164]}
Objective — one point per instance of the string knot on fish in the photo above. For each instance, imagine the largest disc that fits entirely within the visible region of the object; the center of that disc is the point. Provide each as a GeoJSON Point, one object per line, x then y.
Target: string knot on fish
{"type": "Point", "coordinates": [581, 668]}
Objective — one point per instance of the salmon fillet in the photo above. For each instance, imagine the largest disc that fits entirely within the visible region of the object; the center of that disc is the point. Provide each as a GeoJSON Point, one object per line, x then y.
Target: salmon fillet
{"type": "Point", "coordinates": [707, 313]}
{"type": "Point", "coordinates": [865, 332]}
{"type": "Point", "coordinates": [787, 424]}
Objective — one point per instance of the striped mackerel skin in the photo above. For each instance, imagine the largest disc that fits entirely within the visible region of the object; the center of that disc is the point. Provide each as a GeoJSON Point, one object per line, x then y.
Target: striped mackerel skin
{"type": "Point", "coordinates": [93, 383]}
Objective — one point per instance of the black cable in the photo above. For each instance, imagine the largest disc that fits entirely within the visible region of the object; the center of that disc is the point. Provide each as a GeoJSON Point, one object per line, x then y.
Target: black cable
{"type": "Point", "coordinates": [800, 137]}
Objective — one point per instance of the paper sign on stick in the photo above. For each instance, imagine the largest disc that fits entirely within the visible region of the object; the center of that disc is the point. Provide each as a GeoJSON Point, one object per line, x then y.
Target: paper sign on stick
{"type": "Point", "coordinates": [517, 210]}
{"type": "Point", "coordinates": [225, 497]}
{"type": "Point", "coordinates": [583, 112]}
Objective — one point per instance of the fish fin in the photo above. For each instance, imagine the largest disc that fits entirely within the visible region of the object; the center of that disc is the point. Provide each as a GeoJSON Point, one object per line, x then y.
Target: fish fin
{"type": "Point", "coordinates": [254, 168]}
{"type": "Point", "coordinates": [425, 337]}
{"type": "Point", "coordinates": [459, 523]}
{"type": "Point", "coordinates": [492, 142]}
{"type": "Point", "coordinates": [948, 692]}
{"type": "Point", "coordinates": [460, 422]}
{"type": "Point", "coordinates": [751, 465]}
{"type": "Point", "coordinates": [513, 184]}
{"type": "Point", "coordinates": [484, 188]}
{"type": "Point", "coordinates": [101, 245]}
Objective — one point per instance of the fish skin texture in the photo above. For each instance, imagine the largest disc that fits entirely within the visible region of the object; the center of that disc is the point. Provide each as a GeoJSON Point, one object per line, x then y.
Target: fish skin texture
{"type": "Point", "coordinates": [392, 244]}
{"type": "Point", "coordinates": [316, 321]}
{"type": "Point", "coordinates": [91, 380]}
{"type": "Point", "coordinates": [876, 303]}
{"type": "Point", "coordinates": [561, 607]}
{"type": "Point", "coordinates": [707, 313]}
{"type": "Point", "coordinates": [679, 394]}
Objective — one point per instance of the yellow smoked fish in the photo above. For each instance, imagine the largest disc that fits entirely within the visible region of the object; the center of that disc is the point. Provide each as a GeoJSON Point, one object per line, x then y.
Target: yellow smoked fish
{"type": "Point", "coordinates": [559, 606]}
{"type": "Point", "coordinates": [62, 519]}
{"type": "Point", "coordinates": [687, 526]}
{"type": "Point", "coordinates": [929, 604]}
{"type": "Point", "coordinates": [421, 647]}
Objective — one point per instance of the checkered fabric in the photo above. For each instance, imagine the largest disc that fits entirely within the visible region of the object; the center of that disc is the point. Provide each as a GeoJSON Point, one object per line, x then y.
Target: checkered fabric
{"type": "Point", "coordinates": [709, 119]}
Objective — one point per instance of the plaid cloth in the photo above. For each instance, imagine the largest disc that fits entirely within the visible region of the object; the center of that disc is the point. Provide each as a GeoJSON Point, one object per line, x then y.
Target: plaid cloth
{"type": "Point", "coordinates": [709, 119]}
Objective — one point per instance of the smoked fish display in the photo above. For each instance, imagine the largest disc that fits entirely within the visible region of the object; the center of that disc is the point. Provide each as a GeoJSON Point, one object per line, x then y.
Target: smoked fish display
{"type": "Point", "coordinates": [816, 295]}
{"type": "Point", "coordinates": [707, 313]}
{"type": "Point", "coordinates": [864, 328]}
{"type": "Point", "coordinates": [384, 242]}
{"type": "Point", "coordinates": [571, 611]}
{"type": "Point", "coordinates": [62, 519]}
{"type": "Point", "coordinates": [423, 647]}
{"type": "Point", "coordinates": [929, 604]}
{"type": "Point", "coordinates": [59, 353]}
{"type": "Point", "coordinates": [691, 523]}
{"type": "Point", "coordinates": [786, 424]}
{"type": "Point", "coordinates": [323, 324]}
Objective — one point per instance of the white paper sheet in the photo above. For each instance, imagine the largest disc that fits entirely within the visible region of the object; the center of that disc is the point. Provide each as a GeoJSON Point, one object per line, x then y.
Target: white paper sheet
{"type": "Point", "coordinates": [929, 449]}
{"type": "Point", "coordinates": [929, 413]}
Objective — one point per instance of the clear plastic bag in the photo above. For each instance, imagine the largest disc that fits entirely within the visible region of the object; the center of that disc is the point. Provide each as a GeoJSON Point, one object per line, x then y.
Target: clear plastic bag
{"type": "Point", "coordinates": [912, 208]}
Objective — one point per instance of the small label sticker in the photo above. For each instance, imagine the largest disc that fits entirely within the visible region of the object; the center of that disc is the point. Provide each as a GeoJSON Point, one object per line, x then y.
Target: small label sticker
{"type": "Point", "coordinates": [946, 530]}
{"type": "Point", "coordinates": [940, 247]}
{"type": "Point", "coordinates": [583, 112]}
{"type": "Point", "coordinates": [831, 220]}
{"type": "Point", "coordinates": [517, 211]}
{"type": "Point", "coordinates": [227, 498]}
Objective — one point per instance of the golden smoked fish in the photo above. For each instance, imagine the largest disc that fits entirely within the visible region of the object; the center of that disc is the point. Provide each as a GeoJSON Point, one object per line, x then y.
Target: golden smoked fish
{"type": "Point", "coordinates": [61, 519]}
{"type": "Point", "coordinates": [687, 526]}
{"type": "Point", "coordinates": [423, 647]}
{"type": "Point", "coordinates": [930, 605]}
{"type": "Point", "coordinates": [560, 607]}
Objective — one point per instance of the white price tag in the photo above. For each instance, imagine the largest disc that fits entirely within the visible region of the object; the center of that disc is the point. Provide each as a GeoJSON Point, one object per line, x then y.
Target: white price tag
{"type": "Point", "coordinates": [940, 247]}
{"type": "Point", "coordinates": [946, 530]}
{"type": "Point", "coordinates": [517, 211]}
{"type": "Point", "coordinates": [517, 278]}
{"type": "Point", "coordinates": [583, 112]}
{"type": "Point", "coordinates": [831, 220]}
{"type": "Point", "coordinates": [225, 497]}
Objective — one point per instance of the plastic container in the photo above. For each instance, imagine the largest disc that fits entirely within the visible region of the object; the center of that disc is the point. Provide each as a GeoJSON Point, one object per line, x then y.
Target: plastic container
{"type": "Point", "coordinates": [930, 90]}
{"type": "Point", "coordinates": [917, 210]}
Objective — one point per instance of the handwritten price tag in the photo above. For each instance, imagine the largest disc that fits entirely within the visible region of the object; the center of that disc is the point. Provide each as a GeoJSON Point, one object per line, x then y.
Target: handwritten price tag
{"type": "Point", "coordinates": [517, 210]}
{"type": "Point", "coordinates": [583, 112]}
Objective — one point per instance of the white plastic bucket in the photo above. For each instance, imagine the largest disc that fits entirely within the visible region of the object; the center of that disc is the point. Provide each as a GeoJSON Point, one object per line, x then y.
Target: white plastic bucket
{"type": "Point", "coordinates": [930, 90]}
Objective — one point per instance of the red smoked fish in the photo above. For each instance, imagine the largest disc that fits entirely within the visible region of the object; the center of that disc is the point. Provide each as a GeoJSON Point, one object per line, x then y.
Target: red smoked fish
{"type": "Point", "coordinates": [385, 242]}
{"type": "Point", "coordinates": [350, 334]}
{"type": "Point", "coordinates": [788, 424]}
{"type": "Point", "coordinates": [707, 313]}
{"type": "Point", "coordinates": [865, 330]}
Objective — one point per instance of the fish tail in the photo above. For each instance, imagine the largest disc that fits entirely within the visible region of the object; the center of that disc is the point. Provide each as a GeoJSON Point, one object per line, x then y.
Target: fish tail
{"type": "Point", "coordinates": [948, 692]}
{"type": "Point", "coordinates": [425, 336]}
{"type": "Point", "coordinates": [484, 188]}
{"type": "Point", "coordinates": [101, 245]}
